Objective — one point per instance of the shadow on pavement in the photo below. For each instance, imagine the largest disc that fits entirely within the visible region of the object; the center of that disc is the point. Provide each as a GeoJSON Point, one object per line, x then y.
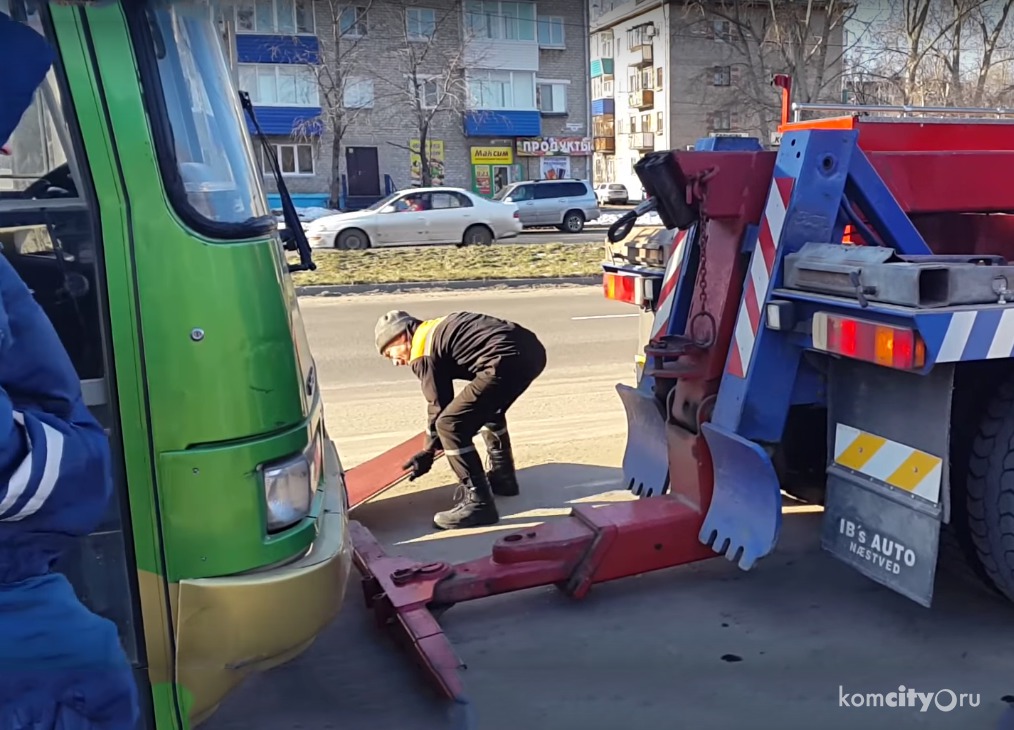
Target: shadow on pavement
{"type": "Point", "coordinates": [771, 640]}
{"type": "Point", "coordinates": [353, 677]}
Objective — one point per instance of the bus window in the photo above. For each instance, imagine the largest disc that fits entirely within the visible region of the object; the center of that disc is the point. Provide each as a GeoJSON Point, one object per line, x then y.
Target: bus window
{"type": "Point", "coordinates": [49, 232]}
{"type": "Point", "coordinates": [213, 155]}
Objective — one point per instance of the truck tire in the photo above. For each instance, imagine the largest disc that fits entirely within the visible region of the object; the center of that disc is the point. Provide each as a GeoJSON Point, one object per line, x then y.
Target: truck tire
{"type": "Point", "coordinates": [988, 505]}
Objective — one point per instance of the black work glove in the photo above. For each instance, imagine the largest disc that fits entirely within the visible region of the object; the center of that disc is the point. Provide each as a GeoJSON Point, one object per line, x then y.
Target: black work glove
{"type": "Point", "coordinates": [420, 464]}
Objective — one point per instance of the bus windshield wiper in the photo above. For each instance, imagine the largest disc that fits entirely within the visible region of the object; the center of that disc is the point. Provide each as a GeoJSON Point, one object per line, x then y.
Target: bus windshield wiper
{"type": "Point", "coordinates": [293, 238]}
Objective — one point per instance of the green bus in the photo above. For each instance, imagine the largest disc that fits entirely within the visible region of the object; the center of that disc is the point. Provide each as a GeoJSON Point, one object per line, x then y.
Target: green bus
{"type": "Point", "coordinates": [131, 204]}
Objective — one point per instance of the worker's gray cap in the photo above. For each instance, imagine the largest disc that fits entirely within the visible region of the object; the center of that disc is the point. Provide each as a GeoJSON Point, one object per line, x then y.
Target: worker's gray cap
{"type": "Point", "coordinates": [392, 324]}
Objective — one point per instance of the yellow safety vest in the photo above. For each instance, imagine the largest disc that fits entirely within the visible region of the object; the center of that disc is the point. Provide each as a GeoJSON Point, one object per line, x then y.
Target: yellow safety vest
{"type": "Point", "coordinates": [422, 340]}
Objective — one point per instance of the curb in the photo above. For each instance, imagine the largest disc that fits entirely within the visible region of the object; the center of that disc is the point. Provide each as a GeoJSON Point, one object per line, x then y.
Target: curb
{"type": "Point", "coordinates": [341, 290]}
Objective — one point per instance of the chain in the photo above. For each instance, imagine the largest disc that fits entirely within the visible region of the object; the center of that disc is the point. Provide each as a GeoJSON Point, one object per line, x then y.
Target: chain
{"type": "Point", "coordinates": [697, 189]}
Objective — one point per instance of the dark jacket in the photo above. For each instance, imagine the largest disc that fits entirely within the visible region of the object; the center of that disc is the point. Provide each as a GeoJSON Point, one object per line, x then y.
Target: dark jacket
{"type": "Point", "coordinates": [462, 346]}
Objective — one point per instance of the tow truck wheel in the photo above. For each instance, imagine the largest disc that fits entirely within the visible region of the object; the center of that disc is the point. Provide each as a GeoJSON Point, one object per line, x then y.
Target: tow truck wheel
{"type": "Point", "coordinates": [988, 506]}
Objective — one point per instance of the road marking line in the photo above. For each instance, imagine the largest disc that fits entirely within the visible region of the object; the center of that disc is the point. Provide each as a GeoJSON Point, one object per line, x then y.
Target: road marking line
{"type": "Point", "coordinates": [606, 316]}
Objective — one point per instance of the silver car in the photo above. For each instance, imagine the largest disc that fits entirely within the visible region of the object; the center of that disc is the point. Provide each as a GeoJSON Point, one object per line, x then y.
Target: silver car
{"type": "Point", "coordinates": [566, 204]}
{"type": "Point", "coordinates": [418, 216]}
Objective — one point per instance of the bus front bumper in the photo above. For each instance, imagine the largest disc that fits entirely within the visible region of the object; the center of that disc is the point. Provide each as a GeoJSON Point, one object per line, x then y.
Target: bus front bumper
{"type": "Point", "coordinates": [234, 626]}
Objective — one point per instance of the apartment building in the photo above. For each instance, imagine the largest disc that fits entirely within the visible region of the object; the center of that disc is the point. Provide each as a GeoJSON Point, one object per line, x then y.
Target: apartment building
{"type": "Point", "coordinates": [666, 74]}
{"type": "Point", "coordinates": [522, 112]}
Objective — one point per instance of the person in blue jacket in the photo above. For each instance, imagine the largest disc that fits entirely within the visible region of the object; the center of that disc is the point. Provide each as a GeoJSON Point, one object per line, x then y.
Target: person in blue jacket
{"type": "Point", "coordinates": [61, 666]}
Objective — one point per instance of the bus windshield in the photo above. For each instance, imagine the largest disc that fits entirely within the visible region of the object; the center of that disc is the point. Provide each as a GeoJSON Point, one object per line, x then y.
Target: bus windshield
{"type": "Point", "coordinates": [213, 153]}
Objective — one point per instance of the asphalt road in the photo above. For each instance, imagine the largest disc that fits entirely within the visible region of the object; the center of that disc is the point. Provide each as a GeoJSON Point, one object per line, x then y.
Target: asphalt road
{"type": "Point", "coordinates": [591, 234]}
{"type": "Point", "coordinates": [707, 647]}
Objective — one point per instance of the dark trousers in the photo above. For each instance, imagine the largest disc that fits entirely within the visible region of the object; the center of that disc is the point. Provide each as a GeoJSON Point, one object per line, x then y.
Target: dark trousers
{"type": "Point", "coordinates": [483, 403]}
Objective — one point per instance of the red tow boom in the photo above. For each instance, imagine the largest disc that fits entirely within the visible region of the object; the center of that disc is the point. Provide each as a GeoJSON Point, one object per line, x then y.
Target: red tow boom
{"type": "Point", "coordinates": [592, 545]}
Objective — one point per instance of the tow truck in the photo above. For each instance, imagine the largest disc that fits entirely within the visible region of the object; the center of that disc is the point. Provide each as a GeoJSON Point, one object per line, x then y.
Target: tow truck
{"type": "Point", "coordinates": [839, 329]}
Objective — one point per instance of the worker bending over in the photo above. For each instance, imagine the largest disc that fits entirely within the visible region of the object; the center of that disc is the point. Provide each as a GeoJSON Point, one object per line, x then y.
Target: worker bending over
{"type": "Point", "coordinates": [500, 359]}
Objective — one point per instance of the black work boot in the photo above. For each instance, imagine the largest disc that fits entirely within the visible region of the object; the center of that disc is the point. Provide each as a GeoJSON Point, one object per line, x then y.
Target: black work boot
{"type": "Point", "coordinates": [475, 506]}
{"type": "Point", "coordinates": [503, 479]}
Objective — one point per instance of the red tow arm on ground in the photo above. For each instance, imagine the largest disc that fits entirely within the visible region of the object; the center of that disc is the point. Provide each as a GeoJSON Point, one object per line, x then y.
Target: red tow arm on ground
{"type": "Point", "coordinates": [376, 476]}
{"type": "Point", "coordinates": [591, 545]}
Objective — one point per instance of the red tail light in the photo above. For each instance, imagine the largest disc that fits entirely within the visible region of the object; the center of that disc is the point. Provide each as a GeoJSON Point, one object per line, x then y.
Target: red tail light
{"type": "Point", "coordinates": [622, 288]}
{"type": "Point", "coordinates": [893, 347]}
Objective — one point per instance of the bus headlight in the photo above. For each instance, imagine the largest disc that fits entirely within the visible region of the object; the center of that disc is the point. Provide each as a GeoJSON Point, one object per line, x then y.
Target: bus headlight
{"type": "Point", "coordinates": [289, 486]}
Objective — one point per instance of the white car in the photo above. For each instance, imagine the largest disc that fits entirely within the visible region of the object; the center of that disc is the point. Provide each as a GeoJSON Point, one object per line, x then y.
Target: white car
{"type": "Point", "coordinates": [418, 216]}
{"type": "Point", "coordinates": [612, 193]}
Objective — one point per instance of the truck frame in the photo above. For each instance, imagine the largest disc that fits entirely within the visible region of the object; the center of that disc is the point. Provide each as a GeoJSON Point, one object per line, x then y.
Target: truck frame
{"type": "Point", "coordinates": [839, 330]}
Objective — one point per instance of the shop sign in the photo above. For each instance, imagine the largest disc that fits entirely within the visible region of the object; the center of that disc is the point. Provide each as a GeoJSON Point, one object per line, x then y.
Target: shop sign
{"type": "Point", "coordinates": [542, 146]}
{"type": "Point", "coordinates": [492, 155]}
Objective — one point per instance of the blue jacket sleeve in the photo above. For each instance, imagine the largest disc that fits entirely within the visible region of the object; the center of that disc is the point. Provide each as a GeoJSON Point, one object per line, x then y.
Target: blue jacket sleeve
{"type": "Point", "coordinates": [55, 471]}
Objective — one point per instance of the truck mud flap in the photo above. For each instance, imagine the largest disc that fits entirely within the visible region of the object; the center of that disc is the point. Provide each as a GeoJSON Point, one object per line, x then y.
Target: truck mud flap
{"type": "Point", "coordinates": [889, 539]}
{"type": "Point", "coordinates": [888, 489]}
{"type": "Point", "coordinates": [745, 515]}
{"type": "Point", "coordinates": [646, 456]}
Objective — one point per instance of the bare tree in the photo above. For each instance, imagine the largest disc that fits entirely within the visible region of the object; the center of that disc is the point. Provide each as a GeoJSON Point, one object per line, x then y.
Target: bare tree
{"type": "Point", "coordinates": [941, 53]}
{"type": "Point", "coordinates": [805, 40]}
{"type": "Point", "coordinates": [424, 72]}
{"type": "Point", "coordinates": [339, 68]}
{"type": "Point", "coordinates": [995, 34]}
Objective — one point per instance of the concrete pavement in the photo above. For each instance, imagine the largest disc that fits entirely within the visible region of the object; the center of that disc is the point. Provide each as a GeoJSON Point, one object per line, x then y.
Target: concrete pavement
{"type": "Point", "coordinates": [704, 647]}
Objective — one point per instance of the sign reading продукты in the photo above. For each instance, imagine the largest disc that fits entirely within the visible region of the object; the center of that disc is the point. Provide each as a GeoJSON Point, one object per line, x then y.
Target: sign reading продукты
{"type": "Point", "coordinates": [879, 550]}
{"type": "Point", "coordinates": [542, 146]}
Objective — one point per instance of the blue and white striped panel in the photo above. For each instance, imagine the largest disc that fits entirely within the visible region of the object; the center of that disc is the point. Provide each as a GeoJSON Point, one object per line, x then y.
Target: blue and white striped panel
{"type": "Point", "coordinates": [982, 335]}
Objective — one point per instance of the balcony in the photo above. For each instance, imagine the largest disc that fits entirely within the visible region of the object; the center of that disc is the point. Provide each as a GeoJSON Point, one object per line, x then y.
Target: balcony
{"type": "Point", "coordinates": [641, 56]}
{"type": "Point", "coordinates": [642, 141]}
{"type": "Point", "coordinates": [604, 126]}
{"type": "Point", "coordinates": [601, 67]}
{"type": "Point", "coordinates": [643, 99]}
{"type": "Point", "coordinates": [600, 107]}
{"type": "Point", "coordinates": [605, 144]}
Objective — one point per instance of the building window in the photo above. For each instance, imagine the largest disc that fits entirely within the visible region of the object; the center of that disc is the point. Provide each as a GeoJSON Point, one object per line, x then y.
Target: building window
{"type": "Point", "coordinates": [659, 75]}
{"type": "Point", "coordinates": [500, 20]}
{"type": "Point", "coordinates": [352, 21]}
{"type": "Point", "coordinates": [502, 90]}
{"type": "Point", "coordinates": [721, 121]}
{"type": "Point", "coordinates": [293, 17]}
{"type": "Point", "coordinates": [722, 30]}
{"type": "Point", "coordinates": [422, 23]}
{"type": "Point", "coordinates": [660, 123]}
{"type": "Point", "coordinates": [640, 35]}
{"type": "Point", "coordinates": [646, 123]}
{"type": "Point", "coordinates": [647, 79]}
{"type": "Point", "coordinates": [428, 92]}
{"type": "Point", "coordinates": [551, 32]}
{"type": "Point", "coordinates": [358, 94]}
{"type": "Point", "coordinates": [279, 84]}
{"type": "Point", "coordinates": [607, 87]}
{"type": "Point", "coordinates": [635, 82]}
{"type": "Point", "coordinates": [722, 76]}
{"type": "Point", "coordinates": [293, 159]}
{"type": "Point", "coordinates": [551, 97]}
{"type": "Point", "coordinates": [633, 125]}
{"type": "Point", "coordinates": [606, 45]}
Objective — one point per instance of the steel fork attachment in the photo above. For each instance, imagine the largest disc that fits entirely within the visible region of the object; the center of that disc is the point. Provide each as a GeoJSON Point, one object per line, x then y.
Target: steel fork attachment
{"type": "Point", "coordinates": [591, 545]}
